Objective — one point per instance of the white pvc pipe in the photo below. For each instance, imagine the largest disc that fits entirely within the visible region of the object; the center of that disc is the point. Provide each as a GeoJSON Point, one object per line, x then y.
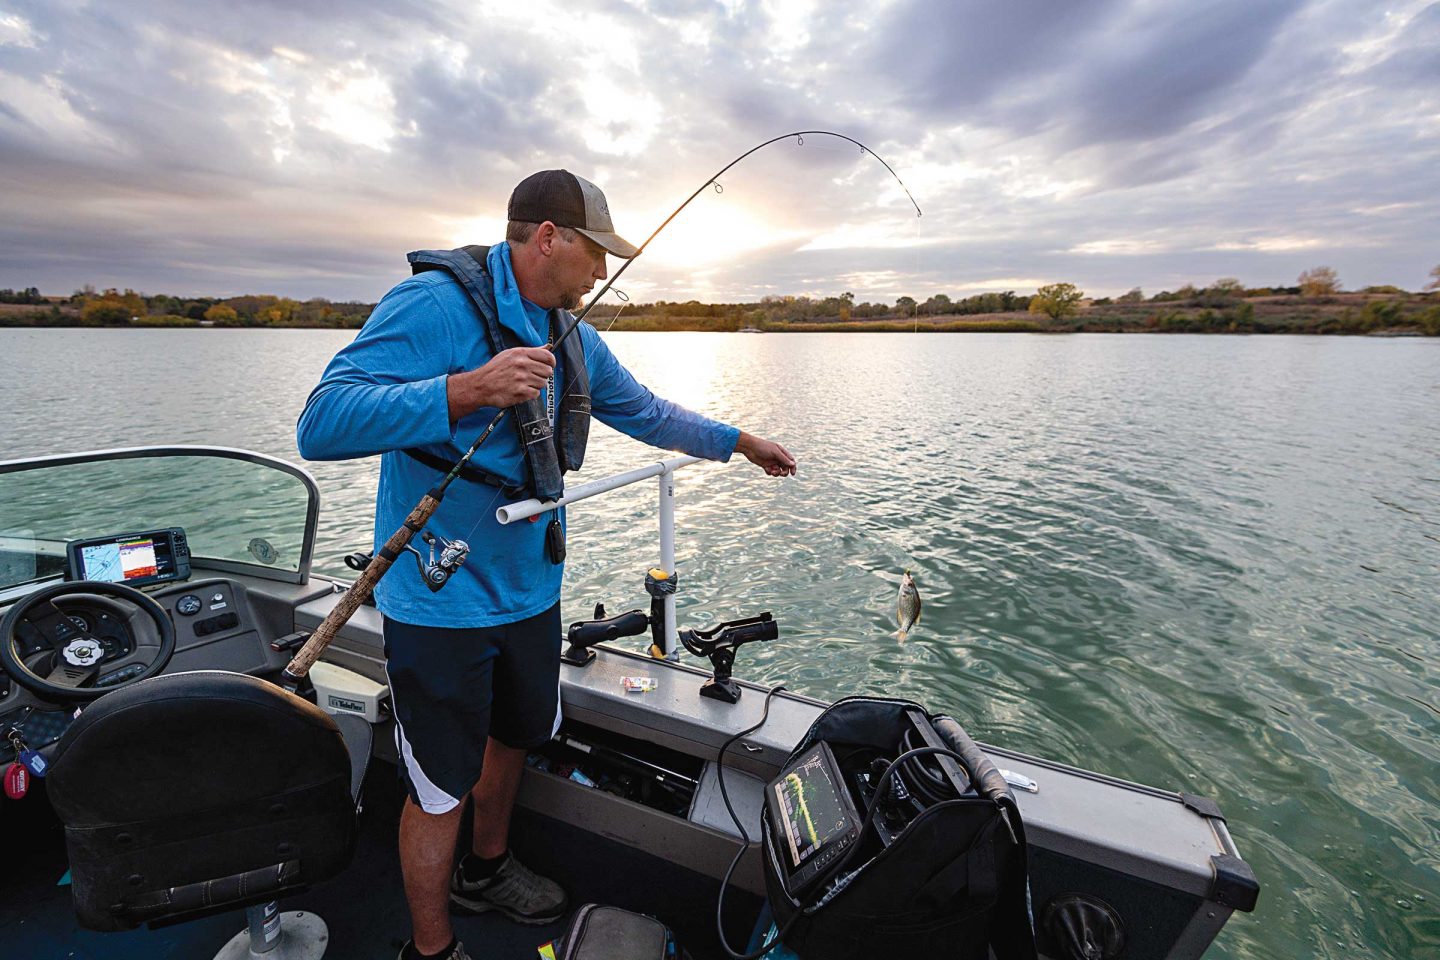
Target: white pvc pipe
{"type": "Point", "coordinates": [524, 509]}
{"type": "Point", "coordinates": [667, 558]}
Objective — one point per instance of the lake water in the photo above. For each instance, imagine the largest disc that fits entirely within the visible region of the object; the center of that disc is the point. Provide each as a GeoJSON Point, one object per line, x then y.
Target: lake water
{"type": "Point", "coordinates": [1203, 563]}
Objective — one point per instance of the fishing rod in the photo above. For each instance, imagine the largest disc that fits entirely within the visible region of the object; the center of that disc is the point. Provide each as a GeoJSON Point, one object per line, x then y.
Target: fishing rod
{"type": "Point", "coordinates": [364, 585]}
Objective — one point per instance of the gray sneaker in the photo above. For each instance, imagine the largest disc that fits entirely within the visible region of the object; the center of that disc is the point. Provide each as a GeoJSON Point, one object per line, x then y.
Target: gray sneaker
{"type": "Point", "coordinates": [457, 954]}
{"type": "Point", "coordinates": [515, 890]}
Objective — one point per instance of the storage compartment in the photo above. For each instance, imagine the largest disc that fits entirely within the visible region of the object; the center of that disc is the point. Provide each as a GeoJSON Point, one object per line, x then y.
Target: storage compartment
{"type": "Point", "coordinates": [641, 772]}
{"type": "Point", "coordinates": [639, 794]}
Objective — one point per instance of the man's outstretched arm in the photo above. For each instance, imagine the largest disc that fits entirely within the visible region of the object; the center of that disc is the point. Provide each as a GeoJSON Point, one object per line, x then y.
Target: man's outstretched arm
{"type": "Point", "coordinates": [622, 402]}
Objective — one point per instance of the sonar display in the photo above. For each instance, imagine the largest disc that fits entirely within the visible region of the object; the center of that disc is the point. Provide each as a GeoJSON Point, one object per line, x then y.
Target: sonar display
{"type": "Point", "coordinates": [809, 801]}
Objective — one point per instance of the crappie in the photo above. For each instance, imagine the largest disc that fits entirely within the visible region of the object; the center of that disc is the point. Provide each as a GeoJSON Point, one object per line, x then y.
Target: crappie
{"type": "Point", "coordinates": [907, 611]}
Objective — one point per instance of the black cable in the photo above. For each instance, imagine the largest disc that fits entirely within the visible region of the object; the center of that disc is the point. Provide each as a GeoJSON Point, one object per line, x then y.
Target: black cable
{"type": "Point", "coordinates": [725, 883]}
{"type": "Point", "coordinates": [879, 795]}
{"type": "Point", "coordinates": [929, 785]}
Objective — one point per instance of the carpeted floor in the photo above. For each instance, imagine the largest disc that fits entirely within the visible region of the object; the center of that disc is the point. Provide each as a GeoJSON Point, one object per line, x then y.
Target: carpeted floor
{"type": "Point", "coordinates": [364, 907]}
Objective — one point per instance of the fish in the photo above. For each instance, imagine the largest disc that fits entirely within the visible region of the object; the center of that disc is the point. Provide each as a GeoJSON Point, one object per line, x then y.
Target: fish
{"type": "Point", "coordinates": [907, 611]}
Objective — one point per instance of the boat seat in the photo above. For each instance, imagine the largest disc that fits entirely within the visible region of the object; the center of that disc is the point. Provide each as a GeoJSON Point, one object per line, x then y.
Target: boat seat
{"type": "Point", "coordinates": [194, 793]}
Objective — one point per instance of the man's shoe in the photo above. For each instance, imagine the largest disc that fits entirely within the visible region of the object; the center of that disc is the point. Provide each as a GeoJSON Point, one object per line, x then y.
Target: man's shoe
{"type": "Point", "coordinates": [457, 954]}
{"type": "Point", "coordinates": [515, 890]}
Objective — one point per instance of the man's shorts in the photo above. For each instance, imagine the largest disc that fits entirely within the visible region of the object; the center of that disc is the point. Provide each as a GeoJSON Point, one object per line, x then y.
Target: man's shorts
{"type": "Point", "coordinates": [450, 689]}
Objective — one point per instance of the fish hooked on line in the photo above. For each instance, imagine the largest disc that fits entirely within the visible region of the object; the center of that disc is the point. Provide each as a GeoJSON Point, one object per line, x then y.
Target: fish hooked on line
{"type": "Point", "coordinates": [907, 610]}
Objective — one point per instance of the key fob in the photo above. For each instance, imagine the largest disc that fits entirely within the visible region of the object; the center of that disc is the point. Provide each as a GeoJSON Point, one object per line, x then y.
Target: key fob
{"type": "Point", "coordinates": [555, 541]}
{"type": "Point", "coordinates": [17, 781]}
{"type": "Point", "coordinates": [35, 763]}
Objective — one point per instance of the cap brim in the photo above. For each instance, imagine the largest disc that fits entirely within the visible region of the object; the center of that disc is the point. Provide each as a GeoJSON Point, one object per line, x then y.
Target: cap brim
{"type": "Point", "coordinates": [613, 243]}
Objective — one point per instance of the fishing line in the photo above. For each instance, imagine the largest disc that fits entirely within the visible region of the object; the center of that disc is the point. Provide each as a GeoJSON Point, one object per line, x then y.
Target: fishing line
{"type": "Point", "coordinates": [799, 136]}
{"type": "Point", "coordinates": [429, 504]}
{"type": "Point", "coordinates": [915, 272]}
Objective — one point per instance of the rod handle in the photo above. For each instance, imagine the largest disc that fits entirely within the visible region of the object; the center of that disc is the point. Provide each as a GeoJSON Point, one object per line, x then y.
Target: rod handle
{"type": "Point", "coordinates": [359, 592]}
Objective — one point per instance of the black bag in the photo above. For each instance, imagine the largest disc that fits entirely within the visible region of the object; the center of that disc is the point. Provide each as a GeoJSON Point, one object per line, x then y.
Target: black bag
{"type": "Point", "coordinates": [598, 932]}
{"type": "Point", "coordinates": [952, 884]}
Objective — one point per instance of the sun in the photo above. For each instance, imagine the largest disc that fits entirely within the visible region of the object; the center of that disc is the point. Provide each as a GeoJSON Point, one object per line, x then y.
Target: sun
{"type": "Point", "coordinates": [711, 230]}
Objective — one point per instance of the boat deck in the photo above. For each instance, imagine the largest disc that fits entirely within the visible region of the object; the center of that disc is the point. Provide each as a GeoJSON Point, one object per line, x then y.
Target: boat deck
{"type": "Point", "coordinates": [364, 906]}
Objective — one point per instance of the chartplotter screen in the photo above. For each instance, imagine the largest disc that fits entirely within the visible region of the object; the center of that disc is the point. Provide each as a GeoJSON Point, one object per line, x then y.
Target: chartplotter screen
{"type": "Point", "coordinates": [133, 558]}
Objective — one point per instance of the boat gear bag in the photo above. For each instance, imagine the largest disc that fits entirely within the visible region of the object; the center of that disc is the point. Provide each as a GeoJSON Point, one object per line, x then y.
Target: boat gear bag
{"type": "Point", "coordinates": [549, 452]}
{"type": "Point", "coordinates": [598, 932]}
{"type": "Point", "coordinates": [949, 883]}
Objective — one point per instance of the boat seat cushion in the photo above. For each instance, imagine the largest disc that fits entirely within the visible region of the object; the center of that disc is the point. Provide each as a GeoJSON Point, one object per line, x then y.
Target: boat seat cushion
{"type": "Point", "coordinates": [196, 793]}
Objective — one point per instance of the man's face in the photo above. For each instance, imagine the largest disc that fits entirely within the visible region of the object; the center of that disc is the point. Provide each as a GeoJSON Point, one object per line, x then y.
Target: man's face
{"type": "Point", "coordinates": [578, 262]}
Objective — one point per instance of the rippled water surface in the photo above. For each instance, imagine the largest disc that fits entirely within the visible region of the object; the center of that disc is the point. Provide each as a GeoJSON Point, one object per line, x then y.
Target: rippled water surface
{"type": "Point", "coordinates": [1205, 563]}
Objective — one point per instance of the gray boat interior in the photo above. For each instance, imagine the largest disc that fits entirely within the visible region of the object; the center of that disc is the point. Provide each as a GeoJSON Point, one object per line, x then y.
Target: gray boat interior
{"type": "Point", "coordinates": [1163, 862]}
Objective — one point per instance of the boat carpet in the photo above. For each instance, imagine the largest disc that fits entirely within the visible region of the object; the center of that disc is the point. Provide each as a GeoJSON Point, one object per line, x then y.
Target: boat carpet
{"type": "Point", "coordinates": [364, 907]}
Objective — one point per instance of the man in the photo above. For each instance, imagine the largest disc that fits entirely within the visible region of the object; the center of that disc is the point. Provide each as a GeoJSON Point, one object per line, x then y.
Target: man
{"type": "Point", "coordinates": [474, 668]}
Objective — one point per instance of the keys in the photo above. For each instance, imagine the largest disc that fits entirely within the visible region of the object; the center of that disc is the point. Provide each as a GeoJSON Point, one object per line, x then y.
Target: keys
{"type": "Point", "coordinates": [31, 759]}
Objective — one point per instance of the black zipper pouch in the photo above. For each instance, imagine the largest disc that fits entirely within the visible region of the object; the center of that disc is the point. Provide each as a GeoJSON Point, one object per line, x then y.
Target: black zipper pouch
{"type": "Point", "coordinates": [598, 932]}
{"type": "Point", "coordinates": [555, 541]}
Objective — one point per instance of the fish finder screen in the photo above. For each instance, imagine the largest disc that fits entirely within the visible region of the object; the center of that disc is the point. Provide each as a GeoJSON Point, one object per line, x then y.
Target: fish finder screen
{"type": "Point", "coordinates": [127, 559]}
{"type": "Point", "coordinates": [811, 808]}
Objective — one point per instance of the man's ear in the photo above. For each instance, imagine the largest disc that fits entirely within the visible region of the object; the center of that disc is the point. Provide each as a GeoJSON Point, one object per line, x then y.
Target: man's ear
{"type": "Point", "coordinates": [546, 236]}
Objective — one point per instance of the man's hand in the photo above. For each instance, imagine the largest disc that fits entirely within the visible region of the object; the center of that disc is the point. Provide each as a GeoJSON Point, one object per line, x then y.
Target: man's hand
{"type": "Point", "coordinates": [766, 454]}
{"type": "Point", "coordinates": [512, 376]}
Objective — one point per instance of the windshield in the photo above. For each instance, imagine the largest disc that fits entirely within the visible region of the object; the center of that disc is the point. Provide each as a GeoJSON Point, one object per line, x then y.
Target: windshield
{"type": "Point", "coordinates": [240, 511]}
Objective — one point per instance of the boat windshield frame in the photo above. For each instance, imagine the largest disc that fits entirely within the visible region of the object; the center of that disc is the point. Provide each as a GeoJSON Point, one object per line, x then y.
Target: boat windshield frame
{"type": "Point", "coordinates": [312, 507]}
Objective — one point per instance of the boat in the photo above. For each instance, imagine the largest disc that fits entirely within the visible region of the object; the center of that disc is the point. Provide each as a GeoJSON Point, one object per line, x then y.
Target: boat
{"type": "Point", "coordinates": [623, 807]}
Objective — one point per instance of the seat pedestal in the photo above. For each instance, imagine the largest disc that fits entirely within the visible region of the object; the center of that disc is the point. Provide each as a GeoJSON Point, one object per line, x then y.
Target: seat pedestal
{"type": "Point", "coordinates": [301, 936]}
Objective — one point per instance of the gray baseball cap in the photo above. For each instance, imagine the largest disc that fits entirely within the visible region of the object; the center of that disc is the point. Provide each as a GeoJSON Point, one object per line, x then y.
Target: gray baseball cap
{"type": "Point", "coordinates": [568, 201]}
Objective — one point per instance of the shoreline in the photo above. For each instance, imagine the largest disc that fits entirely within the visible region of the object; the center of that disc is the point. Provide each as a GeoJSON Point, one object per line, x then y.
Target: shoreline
{"type": "Point", "coordinates": [1358, 314]}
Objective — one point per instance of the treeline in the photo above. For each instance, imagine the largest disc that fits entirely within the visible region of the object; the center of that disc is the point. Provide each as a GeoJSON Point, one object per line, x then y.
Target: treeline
{"type": "Point", "coordinates": [116, 308]}
{"type": "Point", "coordinates": [1316, 304]}
{"type": "Point", "coordinates": [801, 310]}
{"type": "Point", "coordinates": [28, 295]}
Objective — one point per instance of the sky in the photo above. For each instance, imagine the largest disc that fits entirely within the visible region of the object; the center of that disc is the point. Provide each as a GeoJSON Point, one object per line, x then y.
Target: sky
{"type": "Point", "coordinates": [302, 147]}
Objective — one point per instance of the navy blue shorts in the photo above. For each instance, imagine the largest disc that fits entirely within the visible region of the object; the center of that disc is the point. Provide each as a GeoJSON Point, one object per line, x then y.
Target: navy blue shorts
{"type": "Point", "coordinates": [452, 688]}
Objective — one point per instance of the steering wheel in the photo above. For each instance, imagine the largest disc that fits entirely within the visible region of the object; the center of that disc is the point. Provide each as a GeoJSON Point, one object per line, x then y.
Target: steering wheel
{"type": "Point", "coordinates": [77, 653]}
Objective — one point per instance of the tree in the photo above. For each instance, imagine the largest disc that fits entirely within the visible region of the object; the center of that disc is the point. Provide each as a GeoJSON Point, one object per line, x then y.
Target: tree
{"type": "Point", "coordinates": [105, 311]}
{"type": "Point", "coordinates": [905, 305]}
{"type": "Point", "coordinates": [1057, 300]}
{"type": "Point", "coordinates": [221, 315]}
{"type": "Point", "coordinates": [936, 305]}
{"type": "Point", "coordinates": [1434, 283]}
{"type": "Point", "coordinates": [1319, 282]}
{"type": "Point", "coordinates": [1134, 296]}
{"type": "Point", "coordinates": [1228, 287]}
{"type": "Point", "coordinates": [111, 307]}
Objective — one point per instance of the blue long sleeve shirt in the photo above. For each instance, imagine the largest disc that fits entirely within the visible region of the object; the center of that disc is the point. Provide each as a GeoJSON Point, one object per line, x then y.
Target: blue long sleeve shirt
{"type": "Point", "coordinates": [385, 392]}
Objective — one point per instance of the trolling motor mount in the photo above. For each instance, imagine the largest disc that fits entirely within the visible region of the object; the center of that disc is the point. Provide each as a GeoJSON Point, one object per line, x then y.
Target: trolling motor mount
{"type": "Point", "coordinates": [719, 643]}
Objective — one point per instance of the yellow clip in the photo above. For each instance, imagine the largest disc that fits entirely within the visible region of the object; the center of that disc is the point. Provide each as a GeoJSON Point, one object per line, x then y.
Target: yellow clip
{"type": "Point", "coordinates": [658, 574]}
{"type": "Point", "coordinates": [656, 652]}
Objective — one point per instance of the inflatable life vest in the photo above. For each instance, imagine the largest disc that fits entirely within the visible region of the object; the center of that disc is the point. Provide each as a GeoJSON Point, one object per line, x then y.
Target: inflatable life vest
{"type": "Point", "coordinates": [549, 452]}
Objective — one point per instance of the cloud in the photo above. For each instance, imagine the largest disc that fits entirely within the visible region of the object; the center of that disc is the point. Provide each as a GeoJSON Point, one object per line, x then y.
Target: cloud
{"type": "Point", "coordinates": [302, 147]}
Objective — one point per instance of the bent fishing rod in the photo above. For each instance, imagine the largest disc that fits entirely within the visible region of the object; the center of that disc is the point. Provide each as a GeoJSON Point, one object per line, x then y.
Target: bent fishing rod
{"type": "Point", "coordinates": [364, 585]}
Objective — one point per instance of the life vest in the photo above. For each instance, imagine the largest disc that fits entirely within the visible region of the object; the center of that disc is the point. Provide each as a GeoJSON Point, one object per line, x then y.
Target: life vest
{"type": "Point", "coordinates": [549, 452]}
